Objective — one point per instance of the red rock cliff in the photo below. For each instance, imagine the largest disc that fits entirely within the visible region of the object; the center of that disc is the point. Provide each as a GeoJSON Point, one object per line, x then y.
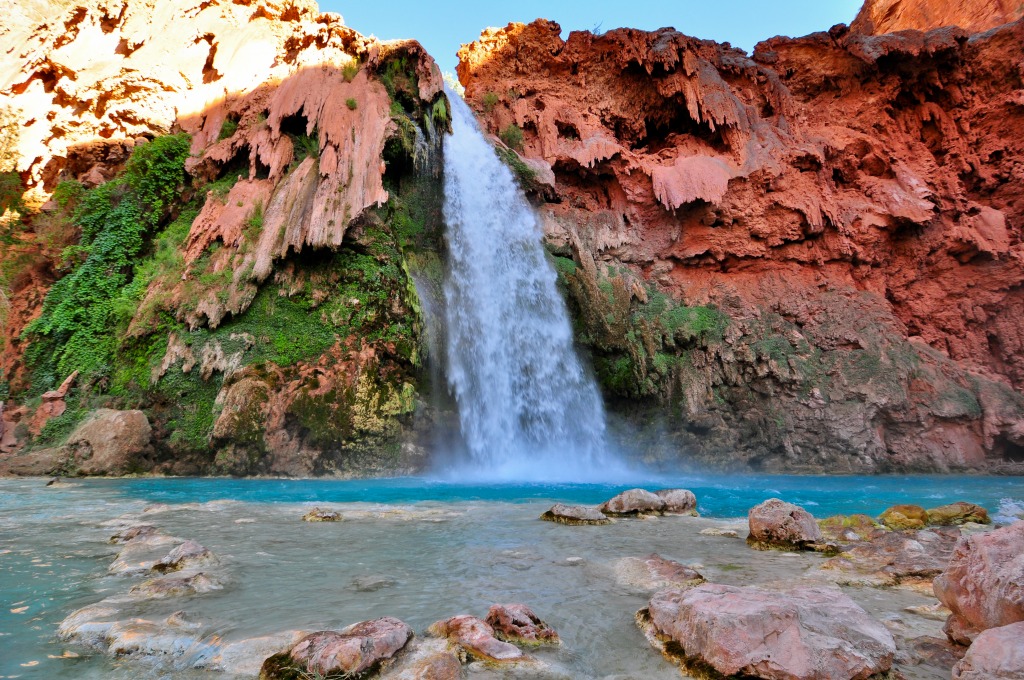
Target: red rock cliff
{"type": "Point", "coordinates": [889, 16]}
{"type": "Point", "coordinates": [851, 204]}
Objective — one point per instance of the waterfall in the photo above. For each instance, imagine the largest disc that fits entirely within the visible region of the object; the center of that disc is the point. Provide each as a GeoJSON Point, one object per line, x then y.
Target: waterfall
{"type": "Point", "coordinates": [527, 408]}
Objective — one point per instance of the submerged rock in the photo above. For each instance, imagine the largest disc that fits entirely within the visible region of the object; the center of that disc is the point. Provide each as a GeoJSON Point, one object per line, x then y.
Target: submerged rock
{"type": "Point", "coordinates": [655, 572]}
{"type": "Point", "coordinates": [175, 586]}
{"type": "Point", "coordinates": [358, 649]}
{"type": "Point", "coordinates": [777, 524]}
{"type": "Point", "coordinates": [518, 623]}
{"type": "Point", "coordinates": [634, 502]}
{"type": "Point", "coordinates": [908, 559]}
{"type": "Point", "coordinates": [983, 585]}
{"type": "Point", "coordinates": [678, 501]}
{"type": "Point", "coordinates": [800, 634]}
{"type": "Point", "coordinates": [477, 639]}
{"type": "Point", "coordinates": [430, 659]}
{"type": "Point", "coordinates": [130, 534]}
{"type": "Point", "coordinates": [901, 517]}
{"type": "Point", "coordinates": [574, 515]}
{"type": "Point", "coordinates": [319, 515]}
{"type": "Point", "coordinates": [997, 654]}
{"type": "Point", "coordinates": [958, 513]}
{"type": "Point", "coordinates": [188, 554]}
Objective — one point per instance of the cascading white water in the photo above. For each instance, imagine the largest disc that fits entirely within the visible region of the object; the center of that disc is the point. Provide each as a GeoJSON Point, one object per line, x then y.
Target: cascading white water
{"type": "Point", "coordinates": [527, 407]}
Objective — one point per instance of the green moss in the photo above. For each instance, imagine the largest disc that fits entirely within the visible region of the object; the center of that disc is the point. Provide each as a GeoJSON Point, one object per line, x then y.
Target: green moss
{"type": "Point", "coordinates": [58, 429]}
{"type": "Point", "coordinates": [227, 129]}
{"type": "Point", "coordinates": [352, 104]}
{"type": "Point", "coordinates": [523, 172]}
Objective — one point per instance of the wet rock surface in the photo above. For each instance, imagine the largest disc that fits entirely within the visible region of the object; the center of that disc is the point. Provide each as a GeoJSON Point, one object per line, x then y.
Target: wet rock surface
{"type": "Point", "coordinates": [654, 572]}
{"type": "Point", "coordinates": [477, 639]}
{"type": "Point", "coordinates": [634, 502]}
{"type": "Point", "coordinates": [320, 515]}
{"type": "Point", "coordinates": [900, 517]}
{"type": "Point", "coordinates": [353, 651]}
{"type": "Point", "coordinates": [574, 515]}
{"type": "Point", "coordinates": [781, 525]}
{"type": "Point", "coordinates": [983, 585]}
{"type": "Point", "coordinates": [517, 623]}
{"type": "Point", "coordinates": [678, 501]}
{"type": "Point", "coordinates": [996, 654]}
{"type": "Point", "coordinates": [910, 559]}
{"type": "Point", "coordinates": [799, 634]}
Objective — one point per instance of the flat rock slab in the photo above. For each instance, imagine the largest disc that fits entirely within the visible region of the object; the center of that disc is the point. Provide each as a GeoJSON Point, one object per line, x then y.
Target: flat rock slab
{"type": "Point", "coordinates": [654, 572]}
{"type": "Point", "coordinates": [574, 515]}
{"type": "Point", "coordinates": [519, 624]}
{"type": "Point", "coordinates": [801, 634]}
{"type": "Point", "coordinates": [360, 648]}
{"type": "Point", "coordinates": [909, 559]}
{"type": "Point", "coordinates": [997, 654]}
{"type": "Point", "coordinates": [983, 585]}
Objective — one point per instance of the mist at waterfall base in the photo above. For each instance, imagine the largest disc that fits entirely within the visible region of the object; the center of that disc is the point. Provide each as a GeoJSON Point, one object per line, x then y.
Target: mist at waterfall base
{"type": "Point", "coordinates": [529, 410]}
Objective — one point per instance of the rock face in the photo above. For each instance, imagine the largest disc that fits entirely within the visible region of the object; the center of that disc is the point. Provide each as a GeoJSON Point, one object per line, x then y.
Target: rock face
{"type": "Point", "coordinates": [352, 651]}
{"type": "Point", "coordinates": [889, 16]}
{"type": "Point", "coordinates": [801, 634]}
{"type": "Point", "coordinates": [777, 524]}
{"type": "Point", "coordinates": [111, 443]}
{"type": "Point", "coordinates": [997, 654]}
{"type": "Point", "coordinates": [809, 253]}
{"type": "Point", "coordinates": [984, 583]}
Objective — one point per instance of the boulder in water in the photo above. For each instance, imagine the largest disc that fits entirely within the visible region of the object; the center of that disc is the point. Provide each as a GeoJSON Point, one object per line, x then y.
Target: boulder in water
{"type": "Point", "coordinates": [678, 501]}
{"type": "Point", "coordinates": [477, 639]}
{"type": "Point", "coordinates": [519, 624]}
{"type": "Point", "coordinates": [351, 652]}
{"type": "Point", "coordinates": [320, 515]}
{"type": "Point", "coordinates": [137, 532]}
{"type": "Point", "coordinates": [188, 554]}
{"type": "Point", "coordinates": [800, 634]}
{"type": "Point", "coordinates": [176, 586]}
{"type": "Point", "coordinates": [633, 502]}
{"type": "Point", "coordinates": [777, 524]}
{"type": "Point", "coordinates": [847, 528]}
{"type": "Point", "coordinates": [958, 513]}
{"type": "Point", "coordinates": [111, 443]}
{"type": "Point", "coordinates": [983, 585]}
{"type": "Point", "coordinates": [902, 517]}
{"type": "Point", "coordinates": [574, 515]}
{"type": "Point", "coordinates": [997, 654]}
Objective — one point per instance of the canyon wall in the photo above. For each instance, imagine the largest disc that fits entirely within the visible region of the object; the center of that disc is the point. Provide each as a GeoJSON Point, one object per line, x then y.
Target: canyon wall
{"type": "Point", "coordinates": [806, 259]}
{"type": "Point", "coordinates": [888, 16]}
{"type": "Point", "coordinates": [217, 201]}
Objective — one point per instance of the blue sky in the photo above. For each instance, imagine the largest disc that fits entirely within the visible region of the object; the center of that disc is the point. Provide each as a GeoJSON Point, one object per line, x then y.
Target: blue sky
{"type": "Point", "coordinates": [442, 25]}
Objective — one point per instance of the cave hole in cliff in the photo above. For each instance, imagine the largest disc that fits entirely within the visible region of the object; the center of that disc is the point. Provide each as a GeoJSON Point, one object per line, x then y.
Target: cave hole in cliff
{"type": "Point", "coordinates": [295, 125]}
{"type": "Point", "coordinates": [661, 126]}
{"type": "Point", "coordinates": [567, 130]}
{"type": "Point", "coordinates": [1007, 450]}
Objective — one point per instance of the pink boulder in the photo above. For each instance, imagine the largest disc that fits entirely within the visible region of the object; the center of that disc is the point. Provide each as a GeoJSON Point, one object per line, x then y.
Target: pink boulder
{"type": "Point", "coordinates": [359, 649]}
{"type": "Point", "coordinates": [997, 654]}
{"type": "Point", "coordinates": [801, 634]}
{"type": "Point", "coordinates": [477, 638]}
{"type": "Point", "coordinates": [678, 501]}
{"type": "Point", "coordinates": [777, 524]}
{"type": "Point", "coordinates": [984, 583]}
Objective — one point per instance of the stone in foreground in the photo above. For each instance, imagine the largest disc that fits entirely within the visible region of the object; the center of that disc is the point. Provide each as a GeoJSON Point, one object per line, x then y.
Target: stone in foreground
{"type": "Point", "coordinates": [654, 572]}
{"type": "Point", "coordinates": [574, 515]}
{"type": "Point", "coordinates": [477, 639]}
{"type": "Point", "coordinates": [321, 515]}
{"type": "Point", "coordinates": [800, 634]}
{"type": "Point", "coordinates": [907, 559]}
{"type": "Point", "coordinates": [188, 554]}
{"type": "Point", "coordinates": [633, 502]}
{"type": "Point", "coordinates": [359, 649]}
{"type": "Point", "coordinates": [678, 501]}
{"type": "Point", "coordinates": [997, 654]}
{"type": "Point", "coordinates": [984, 583]}
{"type": "Point", "coordinates": [777, 524]}
{"type": "Point", "coordinates": [519, 624]}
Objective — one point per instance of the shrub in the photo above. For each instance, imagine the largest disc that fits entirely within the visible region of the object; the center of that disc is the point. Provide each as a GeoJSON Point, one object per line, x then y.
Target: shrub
{"type": "Point", "coordinates": [227, 129]}
{"type": "Point", "coordinates": [352, 104]}
{"type": "Point", "coordinates": [349, 71]}
{"type": "Point", "coordinates": [489, 100]}
{"type": "Point", "coordinates": [512, 135]}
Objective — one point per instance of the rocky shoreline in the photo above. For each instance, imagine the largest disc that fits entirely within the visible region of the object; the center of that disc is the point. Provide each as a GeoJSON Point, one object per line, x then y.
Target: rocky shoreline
{"type": "Point", "coordinates": [818, 618]}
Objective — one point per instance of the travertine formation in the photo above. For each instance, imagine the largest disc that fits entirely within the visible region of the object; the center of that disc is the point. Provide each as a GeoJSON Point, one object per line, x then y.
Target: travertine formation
{"type": "Point", "coordinates": [809, 257]}
{"type": "Point", "coordinates": [889, 16]}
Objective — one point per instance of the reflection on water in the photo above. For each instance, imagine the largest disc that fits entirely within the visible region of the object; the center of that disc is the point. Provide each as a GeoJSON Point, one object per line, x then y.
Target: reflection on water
{"type": "Point", "coordinates": [434, 550]}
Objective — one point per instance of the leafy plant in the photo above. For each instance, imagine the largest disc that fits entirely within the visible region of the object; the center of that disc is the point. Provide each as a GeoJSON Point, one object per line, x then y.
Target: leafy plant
{"type": "Point", "coordinates": [227, 128]}
{"type": "Point", "coordinates": [307, 146]}
{"type": "Point", "coordinates": [512, 135]}
{"type": "Point", "coordinates": [489, 101]}
{"type": "Point", "coordinates": [349, 71]}
{"type": "Point", "coordinates": [352, 104]}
